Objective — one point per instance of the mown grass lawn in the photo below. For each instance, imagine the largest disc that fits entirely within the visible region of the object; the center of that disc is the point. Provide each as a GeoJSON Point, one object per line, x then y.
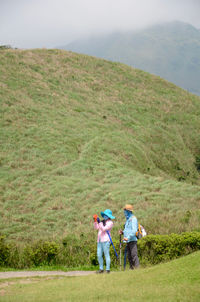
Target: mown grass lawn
{"type": "Point", "coordinates": [177, 280]}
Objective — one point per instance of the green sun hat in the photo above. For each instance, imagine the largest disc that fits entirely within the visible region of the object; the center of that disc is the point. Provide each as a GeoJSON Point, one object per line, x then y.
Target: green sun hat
{"type": "Point", "coordinates": [108, 213]}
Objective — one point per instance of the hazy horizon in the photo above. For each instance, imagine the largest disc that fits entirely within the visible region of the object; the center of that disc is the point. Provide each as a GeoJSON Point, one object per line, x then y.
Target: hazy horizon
{"type": "Point", "coordinates": [49, 23]}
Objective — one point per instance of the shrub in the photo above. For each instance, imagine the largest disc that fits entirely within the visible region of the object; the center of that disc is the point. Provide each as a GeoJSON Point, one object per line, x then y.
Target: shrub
{"type": "Point", "coordinates": [153, 249]}
{"type": "Point", "coordinates": [43, 253]}
{"type": "Point", "coordinates": [74, 252]}
{"type": "Point", "coordinates": [5, 47]}
{"type": "Point", "coordinates": [197, 162]}
{"type": "Point", "coordinates": [4, 251]}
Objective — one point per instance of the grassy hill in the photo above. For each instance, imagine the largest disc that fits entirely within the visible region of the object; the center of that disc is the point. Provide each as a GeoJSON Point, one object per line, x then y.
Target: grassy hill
{"type": "Point", "coordinates": [170, 50]}
{"type": "Point", "coordinates": [79, 135]}
{"type": "Point", "coordinates": [177, 280]}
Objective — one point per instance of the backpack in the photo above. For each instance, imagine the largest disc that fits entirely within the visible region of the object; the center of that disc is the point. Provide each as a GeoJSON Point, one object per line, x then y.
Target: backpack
{"type": "Point", "coordinates": [140, 232]}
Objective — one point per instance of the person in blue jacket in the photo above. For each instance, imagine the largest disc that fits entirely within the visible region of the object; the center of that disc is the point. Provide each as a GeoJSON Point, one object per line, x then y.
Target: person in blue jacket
{"type": "Point", "coordinates": [129, 232]}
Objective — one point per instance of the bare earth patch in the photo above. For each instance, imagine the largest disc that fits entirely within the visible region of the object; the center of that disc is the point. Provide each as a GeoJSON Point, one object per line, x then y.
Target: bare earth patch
{"type": "Point", "coordinates": [8, 275]}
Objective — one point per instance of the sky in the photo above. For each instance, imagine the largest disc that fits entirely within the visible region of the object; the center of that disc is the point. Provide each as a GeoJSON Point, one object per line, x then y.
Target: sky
{"type": "Point", "coordinates": [53, 23]}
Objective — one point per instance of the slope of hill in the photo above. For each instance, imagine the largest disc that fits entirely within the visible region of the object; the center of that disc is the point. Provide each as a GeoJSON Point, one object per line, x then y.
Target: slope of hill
{"type": "Point", "coordinates": [79, 135]}
{"type": "Point", "coordinates": [170, 50]}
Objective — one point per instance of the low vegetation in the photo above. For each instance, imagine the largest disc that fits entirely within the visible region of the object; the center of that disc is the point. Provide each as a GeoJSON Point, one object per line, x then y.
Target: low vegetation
{"type": "Point", "coordinates": [169, 50]}
{"type": "Point", "coordinates": [177, 280]}
{"type": "Point", "coordinates": [72, 252]}
{"type": "Point", "coordinates": [79, 135]}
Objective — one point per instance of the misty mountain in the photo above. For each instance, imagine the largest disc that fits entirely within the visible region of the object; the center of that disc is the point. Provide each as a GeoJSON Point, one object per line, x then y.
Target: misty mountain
{"type": "Point", "coordinates": [170, 50]}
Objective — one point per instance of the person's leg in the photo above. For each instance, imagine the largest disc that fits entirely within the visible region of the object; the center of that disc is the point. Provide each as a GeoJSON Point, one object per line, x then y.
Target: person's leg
{"type": "Point", "coordinates": [134, 255]}
{"type": "Point", "coordinates": [100, 255]}
{"type": "Point", "coordinates": [106, 250]}
{"type": "Point", "coordinates": [129, 255]}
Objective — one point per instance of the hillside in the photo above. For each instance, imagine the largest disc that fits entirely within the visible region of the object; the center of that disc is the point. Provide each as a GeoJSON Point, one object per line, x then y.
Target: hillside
{"type": "Point", "coordinates": [79, 135]}
{"type": "Point", "coordinates": [169, 50]}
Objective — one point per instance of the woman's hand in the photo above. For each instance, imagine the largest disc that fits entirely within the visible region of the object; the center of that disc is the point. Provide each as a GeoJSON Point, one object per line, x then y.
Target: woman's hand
{"type": "Point", "coordinates": [95, 217]}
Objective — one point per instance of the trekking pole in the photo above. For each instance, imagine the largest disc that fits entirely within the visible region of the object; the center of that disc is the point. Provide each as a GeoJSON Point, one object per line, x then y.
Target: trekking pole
{"type": "Point", "coordinates": [120, 254]}
{"type": "Point", "coordinates": [112, 244]}
{"type": "Point", "coordinates": [125, 253]}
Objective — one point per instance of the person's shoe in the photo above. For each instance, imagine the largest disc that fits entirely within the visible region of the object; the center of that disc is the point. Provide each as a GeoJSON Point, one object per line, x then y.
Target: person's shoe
{"type": "Point", "coordinates": [108, 272]}
{"type": "Point", "coordinates": [100, 271]}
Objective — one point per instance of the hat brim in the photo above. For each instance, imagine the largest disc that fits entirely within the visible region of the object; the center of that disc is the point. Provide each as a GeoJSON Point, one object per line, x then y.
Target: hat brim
{"type": "Point", "coordinates": [127, 209]}
{"type": "Point", "coordinates": [110, 216]}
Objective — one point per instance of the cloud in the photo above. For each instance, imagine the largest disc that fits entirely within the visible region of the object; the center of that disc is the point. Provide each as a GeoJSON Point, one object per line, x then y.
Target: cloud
{"type": "Point", "coordinates": [48, 23]}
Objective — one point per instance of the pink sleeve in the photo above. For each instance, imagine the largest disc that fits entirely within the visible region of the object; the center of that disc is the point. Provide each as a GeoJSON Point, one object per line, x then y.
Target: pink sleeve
{"type": "Point", "coordinates": [96, 225]}
{"type": "Point", "coordinates": [107, 227]}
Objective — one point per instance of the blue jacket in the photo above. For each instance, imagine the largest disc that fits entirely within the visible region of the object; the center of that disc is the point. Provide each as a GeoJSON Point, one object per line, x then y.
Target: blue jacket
{"type": "Point", "coordinates": [130, 228]}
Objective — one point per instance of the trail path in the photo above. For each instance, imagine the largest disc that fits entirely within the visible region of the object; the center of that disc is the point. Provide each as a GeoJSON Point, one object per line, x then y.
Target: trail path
{"type": "Point", "coordinates": [24, 274]}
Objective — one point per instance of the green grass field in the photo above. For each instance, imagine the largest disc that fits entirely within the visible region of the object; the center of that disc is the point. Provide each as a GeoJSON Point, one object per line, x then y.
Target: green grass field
{"type": "Point", "coordinates": [79, 135]}
{"type": "Point", "coordinates": [175, 281]}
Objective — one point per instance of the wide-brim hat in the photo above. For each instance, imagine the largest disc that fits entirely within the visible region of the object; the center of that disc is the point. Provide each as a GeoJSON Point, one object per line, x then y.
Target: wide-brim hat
{"type": "Point", "coordinates": [128, 207]}
{"type": "Point", "coordinates": [108, 213]}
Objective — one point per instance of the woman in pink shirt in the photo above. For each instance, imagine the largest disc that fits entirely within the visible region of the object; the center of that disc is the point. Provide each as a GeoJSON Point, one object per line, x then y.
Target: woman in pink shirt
{"type": "Point", "coordinates": [103, 242]}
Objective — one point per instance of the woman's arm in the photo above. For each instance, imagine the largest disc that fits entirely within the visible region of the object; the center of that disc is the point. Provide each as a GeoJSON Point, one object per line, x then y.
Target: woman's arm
{"type": "Point", "coordinates": [107, 227]}
{"type": "Point", "coordinates": [96, 225]}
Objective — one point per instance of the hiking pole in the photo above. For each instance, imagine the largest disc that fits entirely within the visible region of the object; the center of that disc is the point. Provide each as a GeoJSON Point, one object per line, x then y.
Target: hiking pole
{"type": "Point", "coordinates": [120, 254]}
{"type": "Point", "coordinates": [125, 253]}
{"type": "Point", "coordinates": [112, 244]}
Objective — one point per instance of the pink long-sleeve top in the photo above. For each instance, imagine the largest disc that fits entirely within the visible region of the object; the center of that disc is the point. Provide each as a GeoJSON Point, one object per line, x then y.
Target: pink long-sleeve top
{"type": "Point", "coordinates": [102, 235]}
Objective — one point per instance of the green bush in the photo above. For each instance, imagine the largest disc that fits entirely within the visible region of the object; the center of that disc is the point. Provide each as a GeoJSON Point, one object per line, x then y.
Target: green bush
{"type": "Point", "coordinates": [154, 249]}
{"type": "Point", "coordinates": [197, 162]}
{"type": "Point", "coordinates": [4, 251]}
{"type": "Point", "coordinates": [43, 253]}
{"type": "Point", "coordinates": [74, 252]}
{"type": "Point", "coordinates": [5, 47]}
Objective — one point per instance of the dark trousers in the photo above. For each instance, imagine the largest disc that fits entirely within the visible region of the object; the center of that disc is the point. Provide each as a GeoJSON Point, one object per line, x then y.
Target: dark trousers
{"type": "Point", "coordinates": [132, 254]}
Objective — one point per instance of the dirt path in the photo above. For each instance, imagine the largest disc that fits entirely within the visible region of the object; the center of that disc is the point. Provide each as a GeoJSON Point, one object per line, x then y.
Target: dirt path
{"type": "Point", "coordinates": [24, 274]}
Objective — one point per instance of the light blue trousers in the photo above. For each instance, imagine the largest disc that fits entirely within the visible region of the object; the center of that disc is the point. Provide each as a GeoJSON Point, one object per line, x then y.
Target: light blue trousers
{"type": "Point", "coordinates": [103, 248]}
